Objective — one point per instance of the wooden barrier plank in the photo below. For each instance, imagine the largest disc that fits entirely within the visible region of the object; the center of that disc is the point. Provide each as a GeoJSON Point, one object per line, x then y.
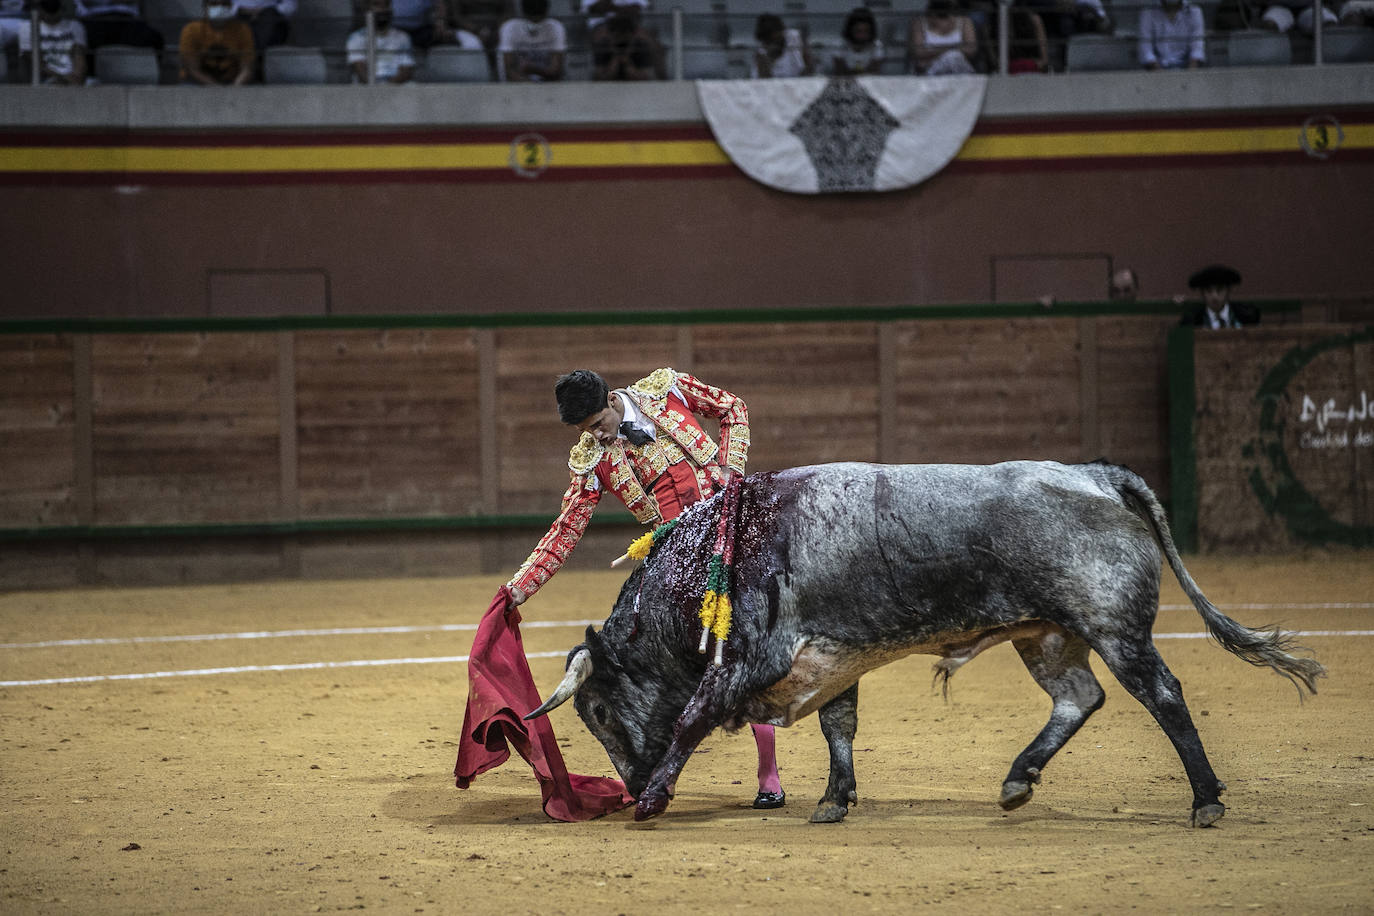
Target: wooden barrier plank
{"type": "Point", "coordinates": [184, 427]}
{"type": "Point", "coordinates": [812, 389]}
{"type": "Point", "coordinates": [37, 431]}
{"type": "Point", "coordinates": [985, 391]}
{"type": "Point", "coordinates": [387, 422]}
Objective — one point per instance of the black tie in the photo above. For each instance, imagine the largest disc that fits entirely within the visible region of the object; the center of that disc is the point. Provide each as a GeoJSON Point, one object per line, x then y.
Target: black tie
{"type": "Point", "coordinates": [636, 435]}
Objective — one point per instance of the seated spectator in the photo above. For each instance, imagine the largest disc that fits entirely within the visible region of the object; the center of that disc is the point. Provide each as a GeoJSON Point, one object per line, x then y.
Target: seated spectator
{"type": "Point", "coordinates": [392, 62]}
{"type": "Point", "coordinates": [61, 46]}
{"type": "Point", "coordinates": [1217, 310]}
{"type": "Point", "coordinates": [1028, 50]}
{"type": "Point", "coordinates": [601, 14]}
{"type": "Point", "coordinates": [426, 22]}
{"type": "Point", "coordinates": [781, 53]}
{"type": "Point", "coordinates": [1281, 17]}
{"type": "Point", "coordinates": [863, 50]}
{"type": "Point", "coordinates": [217, 49]}
{"type": "Point", "coordinates": [270, 20]}
{"type": "Point", "coordinates": [620, 51]}
{"type": "Point", "coordinates": [1123, 286]}
{"type": "Point", "coordinates": [942, 43]}
{"type": "Point", "coordinates": [1172, 36]}
{"type": "Point", "coordinates": [117, 22]}
{"type": "Point", "coordinates": [533, 48]}
{"type": "Point", "coordinates": [1357, 12]}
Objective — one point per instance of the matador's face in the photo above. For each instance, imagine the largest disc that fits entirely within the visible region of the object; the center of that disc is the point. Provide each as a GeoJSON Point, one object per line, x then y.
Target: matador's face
{"type": "Point", "coordinates": [604, 425]}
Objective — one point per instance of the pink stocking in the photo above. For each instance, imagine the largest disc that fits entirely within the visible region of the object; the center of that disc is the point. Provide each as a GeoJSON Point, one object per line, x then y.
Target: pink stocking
{"type": "Point", "coordinates": [768, 759]}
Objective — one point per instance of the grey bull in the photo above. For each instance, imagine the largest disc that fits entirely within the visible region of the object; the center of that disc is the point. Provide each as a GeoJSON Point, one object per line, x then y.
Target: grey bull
{"type": "Point", "coordinates": [842, 568]}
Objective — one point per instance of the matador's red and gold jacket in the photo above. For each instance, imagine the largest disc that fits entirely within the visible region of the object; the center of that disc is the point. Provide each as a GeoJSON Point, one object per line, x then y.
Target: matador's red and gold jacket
{"type": "Point", "coordinates": [656, 480]}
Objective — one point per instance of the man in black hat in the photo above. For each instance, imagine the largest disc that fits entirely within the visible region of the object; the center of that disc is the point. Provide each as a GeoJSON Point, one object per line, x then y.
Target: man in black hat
{"type": "Point", "coordinates": [1217, 310]}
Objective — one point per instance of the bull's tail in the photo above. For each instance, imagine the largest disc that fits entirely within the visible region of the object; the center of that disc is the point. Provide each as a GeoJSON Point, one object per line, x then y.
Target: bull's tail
{"type": "Point", "coordinates": [1270, 647]}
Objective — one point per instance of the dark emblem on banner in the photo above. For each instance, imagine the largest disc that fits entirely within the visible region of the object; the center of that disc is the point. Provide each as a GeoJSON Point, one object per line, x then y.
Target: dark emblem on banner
{"type": "Point", "coordinates": [530, 155]}
{"type": "Point", "coordinates": [1321, 136]}
{"type": "Point", "coordinates": [845, 131]}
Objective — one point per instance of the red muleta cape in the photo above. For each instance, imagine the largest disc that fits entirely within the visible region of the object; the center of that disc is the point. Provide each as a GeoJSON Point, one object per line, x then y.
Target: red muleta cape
{"type": "Point", "coordinates": [500, 691]}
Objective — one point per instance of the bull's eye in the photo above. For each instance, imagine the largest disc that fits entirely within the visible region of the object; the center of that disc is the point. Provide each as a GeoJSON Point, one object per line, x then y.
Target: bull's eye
{"type": "Point", "coordinates": [599, 712]}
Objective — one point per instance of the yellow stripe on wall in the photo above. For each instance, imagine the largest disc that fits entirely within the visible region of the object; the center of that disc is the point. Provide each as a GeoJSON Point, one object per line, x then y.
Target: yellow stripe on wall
{"type": "Point", "coordinates": [391, 157]}
{"type": "Point", "coordinates": [303, 158]}
{"type": "Point", "coordinates": [1219, 141]}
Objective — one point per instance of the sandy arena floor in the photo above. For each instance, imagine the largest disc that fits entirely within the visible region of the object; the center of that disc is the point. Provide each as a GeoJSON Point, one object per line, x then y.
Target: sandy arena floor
{"type": "Point", "coordinates": [315, 789]}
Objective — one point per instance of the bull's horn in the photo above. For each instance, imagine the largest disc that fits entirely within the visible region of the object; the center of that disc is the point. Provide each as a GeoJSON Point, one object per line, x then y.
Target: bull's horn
{"type": "Point", "coordinates": [579, 669]}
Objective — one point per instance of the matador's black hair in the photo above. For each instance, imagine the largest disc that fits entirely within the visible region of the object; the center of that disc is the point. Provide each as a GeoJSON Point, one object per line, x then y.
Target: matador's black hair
{"type": "Point", "coordinates": [580, 394]}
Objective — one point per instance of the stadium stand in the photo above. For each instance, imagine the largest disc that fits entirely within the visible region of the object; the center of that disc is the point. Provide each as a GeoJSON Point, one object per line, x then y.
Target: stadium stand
{"type": "Point", "coordinates": [452, 64]}
{"type": "Point", "coordinates": [1258, 48]}
{"type": "Point", "coordinates": [292, 65]}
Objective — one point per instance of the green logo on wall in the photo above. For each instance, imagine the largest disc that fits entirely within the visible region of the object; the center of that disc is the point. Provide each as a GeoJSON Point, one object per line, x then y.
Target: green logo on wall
{"type": "Point", "coordinates": [1274, 479]}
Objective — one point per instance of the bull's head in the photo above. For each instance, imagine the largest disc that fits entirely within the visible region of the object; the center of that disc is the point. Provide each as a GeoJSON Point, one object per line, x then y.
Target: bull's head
{"type": "Point", "coordinates": [628, 705]}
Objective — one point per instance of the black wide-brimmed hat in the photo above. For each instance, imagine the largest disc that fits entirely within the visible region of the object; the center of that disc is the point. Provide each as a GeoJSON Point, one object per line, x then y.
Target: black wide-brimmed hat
{"type": "Point", "coordinates": [1214, 275]}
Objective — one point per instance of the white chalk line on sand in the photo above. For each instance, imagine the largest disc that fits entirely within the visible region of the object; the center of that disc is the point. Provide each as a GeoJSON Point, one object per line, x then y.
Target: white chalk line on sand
{"type": "Point", "coordinates": [281, 634]}
{"type": "Point", "coordinates": [526, 625]}
{"type": "Point", "coordinates": [437, 660]}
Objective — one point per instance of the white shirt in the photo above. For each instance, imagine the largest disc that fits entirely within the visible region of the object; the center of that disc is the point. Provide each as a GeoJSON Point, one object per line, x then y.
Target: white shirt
{"type": "Point", "coordinates": [55, 43]}
{"type": "Point", "coordinates": [393, 52]}
{"type": "Point", "coordinates": [286, 7]}
{"type": "Point", "coordinates": [1171, 43]}
{"type": "Point", "coordinates": [533, 41]}
{"type": "Point", "coordinates": [636, 419]}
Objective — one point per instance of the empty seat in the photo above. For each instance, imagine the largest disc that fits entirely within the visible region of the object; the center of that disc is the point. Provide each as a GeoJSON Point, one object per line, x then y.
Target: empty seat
{"type": "Point", "coordinates": [1100, 52]}
{"type": "Point", "coordinates": [126, 66]}
{"type": "Point", "coordinates": [710, 64]}
{"type": "Point", "coordinates": [1258, 48]}
{"type": "Point", "coordinates": [288, 65]}
{"type": "Point", "coordinates": [452, 64]}
{"type": "Point", "coordinates": [1347, 44]}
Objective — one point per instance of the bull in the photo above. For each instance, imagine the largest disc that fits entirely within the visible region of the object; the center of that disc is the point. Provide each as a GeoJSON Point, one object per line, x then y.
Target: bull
{"type": "Point", "coordinates": [842, 568]}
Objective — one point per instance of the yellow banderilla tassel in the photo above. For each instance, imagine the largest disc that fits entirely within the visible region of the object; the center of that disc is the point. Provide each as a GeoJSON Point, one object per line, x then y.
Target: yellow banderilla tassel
{"type": "Point", "coordinates": [641, 546]}
{"type": "Point", "coordinates": [721, 626]}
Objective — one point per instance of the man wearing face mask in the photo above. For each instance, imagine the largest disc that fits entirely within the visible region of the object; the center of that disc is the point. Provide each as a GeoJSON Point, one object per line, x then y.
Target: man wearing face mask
{"type": "Point", "coordinates": [645, 445]}
{"type": "Point", "coordinates": [393, 62]}
{"type": "Point", "coordinates": [61, 46]}
{"type": "Point", "coordinates": [217, 50]}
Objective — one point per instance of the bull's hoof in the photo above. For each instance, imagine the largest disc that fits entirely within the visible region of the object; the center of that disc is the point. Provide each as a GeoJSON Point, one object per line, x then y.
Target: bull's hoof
{"type": "Point", "coordinates": [829, 813]}
{"type": "Point", "coordinates": [1208, 815]}
{"type": "Point", "coordinates": [651, 804]}
{"type": "Point", "coordinates": [1014, 794]}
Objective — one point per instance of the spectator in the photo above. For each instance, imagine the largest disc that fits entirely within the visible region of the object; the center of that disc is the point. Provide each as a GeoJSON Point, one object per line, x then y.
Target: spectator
{"type": "Point", "coordinates": [1123, 286]}
{"type": "Point", "coordinates": [1217, 310]}
{"type": "Point", "coordinates": [863, 50]}
{"type": "Point", "coordinates": [392, 62]}
{"type": "Point", "coordinates": [61, 46]}
{"type": "Point", "coordinates": [941, 43]}
{"type": "Point", "coordinates": [602, 14]}
{"type": "Point", "coordinates": [620, 51]}
{"type": "Point", "coordinates": [532, 49]}
{"type": "Point", "coordinates": [217, 50]}
{"type": "Point", "coordinates": [1028, 50]}
{"type": "Point", "coordinates": [117, 22]}
{"type": "Point", "coordinates": [781, 53]}
{"type": "Point", "coordinates": [1171, 36]}
{"type": "Point", "coordinates": [1281, 17]}
{"type": "Point", "coordinates": [270, 20]}
{"type": "Point", "coordinates": [426, 22]}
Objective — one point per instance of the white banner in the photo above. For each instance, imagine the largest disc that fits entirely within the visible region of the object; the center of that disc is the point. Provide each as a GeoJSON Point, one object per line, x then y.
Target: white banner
{"type": "Point", "coordinates": [814, 135]}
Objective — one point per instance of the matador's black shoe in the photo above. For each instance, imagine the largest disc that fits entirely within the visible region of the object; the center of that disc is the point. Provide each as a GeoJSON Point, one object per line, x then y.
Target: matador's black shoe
{"type": "Point", "coordinates": [767, 800]}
